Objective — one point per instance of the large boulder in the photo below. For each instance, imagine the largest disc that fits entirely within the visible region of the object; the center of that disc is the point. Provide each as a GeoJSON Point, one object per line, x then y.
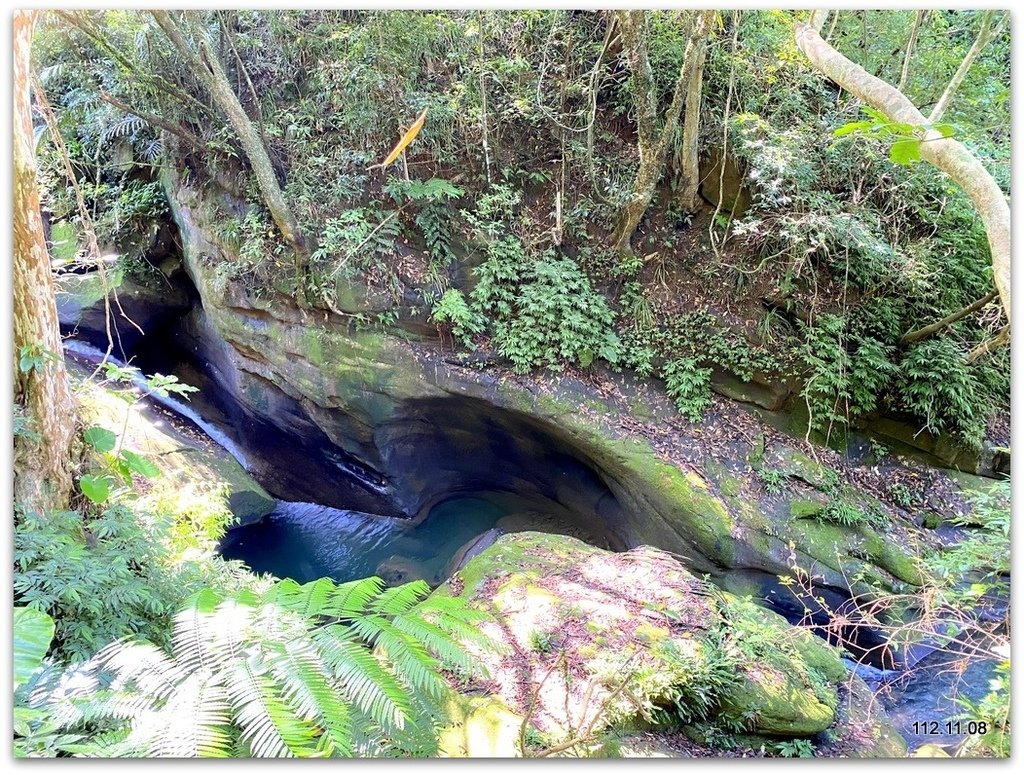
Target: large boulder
{"type": "Point", "coordinates": [582, 631]}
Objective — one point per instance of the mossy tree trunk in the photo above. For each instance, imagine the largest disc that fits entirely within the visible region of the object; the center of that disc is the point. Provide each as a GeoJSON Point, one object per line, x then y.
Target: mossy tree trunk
{"type": "Point", "coordinates": [652, 140]}
{"type": "Point", "coordinates": [689, 169]}
{"type": "Point", "coordinates": [207, 66]}
{"type": "Point", "coordinates": [42, 465]}
{"type": "Point", "coordinates": [945, 153]}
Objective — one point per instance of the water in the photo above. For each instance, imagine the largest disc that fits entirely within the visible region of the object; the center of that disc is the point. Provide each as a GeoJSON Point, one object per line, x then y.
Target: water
{"type": "Point", "coordinates": [94, 355]}
{"type": "Point", "coordinates": [920, 700]}
{"type": "Point", "coordinates": [305, 541]}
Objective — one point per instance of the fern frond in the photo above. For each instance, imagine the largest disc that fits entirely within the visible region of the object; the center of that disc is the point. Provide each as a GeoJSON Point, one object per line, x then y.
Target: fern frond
{"type": "Point", "coordinates": [398, 600]}
{"type": "Point", "coordinates": [350, 600]}
{"type": "Point", "coordinates": [412, 662]}
{"type": "Point", "coordinates": [363, 680]}
{"type": "Point", "coordinates": [300, 672]}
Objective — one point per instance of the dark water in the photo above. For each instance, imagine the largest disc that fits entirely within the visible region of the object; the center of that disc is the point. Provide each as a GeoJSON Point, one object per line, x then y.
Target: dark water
{"type": "Point", "coordinates": [305, 542]}
{"type": "Point", "coordinates": [927, 693]}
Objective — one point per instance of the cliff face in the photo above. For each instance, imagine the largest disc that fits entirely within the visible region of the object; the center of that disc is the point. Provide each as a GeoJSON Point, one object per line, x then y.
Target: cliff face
{"type": "Point", "coordinates": [424, 423]}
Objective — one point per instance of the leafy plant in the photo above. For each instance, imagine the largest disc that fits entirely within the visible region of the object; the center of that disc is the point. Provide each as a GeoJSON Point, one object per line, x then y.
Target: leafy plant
{"type": "Point", "coordinates": [990, 715]}
{"type": "Point", "coordinates": [689, 386]}
{"type": "Point", "coordinates": [464, 322]}
{"type": "Point", "coordinates": [774, 481]}
{"type": "Point", "coordinates": [33, 632]}
{"type": "Point", "coordinates": [906, 138]}
{"type": "Point", "coordinates": [842, 512]}
{"type": "Point", "coordinates": [302, 670]}
{"type": "Point", "coordinates": [798, 747]}
{"type": "Point", "coordinates": [546, 313]}
{"type": "Point", "coordinates": [33, 357]}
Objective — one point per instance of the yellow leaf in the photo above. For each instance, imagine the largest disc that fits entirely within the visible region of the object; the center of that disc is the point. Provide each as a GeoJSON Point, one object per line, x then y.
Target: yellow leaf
{"type": "Point", "coordinates": [407, 138]}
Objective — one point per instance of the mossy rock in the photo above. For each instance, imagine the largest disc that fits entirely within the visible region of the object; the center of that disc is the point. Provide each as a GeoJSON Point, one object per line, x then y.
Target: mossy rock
{"type": "Point", "coordinates": [796, 465]}
{"type": "Point", "coordinates": [180, 459]}
{"type": "Point", "coordinates": [788, 683]}
{"type": "Point", "coordinates": [638, 615]}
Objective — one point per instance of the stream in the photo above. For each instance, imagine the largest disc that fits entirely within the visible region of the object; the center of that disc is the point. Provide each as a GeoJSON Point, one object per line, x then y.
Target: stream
{"type": "Point", "coordinates": [309, 535]}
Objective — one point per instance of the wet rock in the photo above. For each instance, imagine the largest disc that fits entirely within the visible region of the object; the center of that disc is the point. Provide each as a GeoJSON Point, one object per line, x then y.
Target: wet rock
{"type": "Point", "coordinates": [397, 570]}
{"type": "Point", "coordinates": [147, 306]}
{"type": "Point", "coordinates": [471, 549]}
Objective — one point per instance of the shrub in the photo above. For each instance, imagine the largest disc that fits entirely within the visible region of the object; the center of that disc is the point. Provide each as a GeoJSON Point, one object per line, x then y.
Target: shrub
{"type": "Point", "coordinates": [553, 316]}
{"type": "Point", "coordinates": [689, 386]}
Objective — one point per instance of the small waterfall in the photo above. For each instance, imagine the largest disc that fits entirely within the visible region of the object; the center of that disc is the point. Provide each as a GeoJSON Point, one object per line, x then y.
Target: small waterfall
{"type": "Point", "coordinates": [93, 355]}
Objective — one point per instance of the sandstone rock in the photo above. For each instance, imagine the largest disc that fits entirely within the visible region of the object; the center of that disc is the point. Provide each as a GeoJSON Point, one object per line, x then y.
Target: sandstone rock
{"type": "Point", "coordinates": [638, 616]}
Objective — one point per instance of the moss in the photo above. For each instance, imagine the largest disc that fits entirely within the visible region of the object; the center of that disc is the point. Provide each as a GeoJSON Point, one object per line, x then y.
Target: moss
{"type": "Point", "coordinates": [729, 483]}
{"type": "Point", "coordinates": [797, 465]}
{"type": "Point", "coordinates": [802, 509]}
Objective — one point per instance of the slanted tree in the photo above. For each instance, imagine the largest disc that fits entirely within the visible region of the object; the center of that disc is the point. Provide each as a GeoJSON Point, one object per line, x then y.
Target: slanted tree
{"type": "Point", "coordinates": [202, 60]}
{"type": "Point", "coordinates": [946, 153]}
{"type": "Point", "coordinates": [42, 466]}
{"type": "Point", "coordinates": [654, 136]}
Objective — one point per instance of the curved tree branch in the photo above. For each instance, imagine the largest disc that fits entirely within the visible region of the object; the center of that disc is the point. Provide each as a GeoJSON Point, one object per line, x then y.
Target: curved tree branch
{"type": "Point", "coordinates": [945, 153]}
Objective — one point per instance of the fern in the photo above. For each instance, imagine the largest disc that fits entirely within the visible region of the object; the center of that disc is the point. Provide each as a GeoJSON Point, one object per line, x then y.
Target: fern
{"type": "Point", "coordinates": [303, 670]}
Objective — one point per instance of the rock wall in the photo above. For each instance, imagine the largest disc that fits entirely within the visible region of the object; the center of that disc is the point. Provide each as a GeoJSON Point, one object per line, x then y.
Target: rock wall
{"type": "Point", "coordinates": [429, 424]}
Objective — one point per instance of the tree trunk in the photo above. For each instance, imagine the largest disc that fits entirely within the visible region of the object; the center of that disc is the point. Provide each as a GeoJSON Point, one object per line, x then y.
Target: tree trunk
{"type": "Point", "coordinates": [652, 144]}
{"type": "Point", "coordinates": [1001, 339]}
{"type": "Point", "coordinates": [208, 67]}
{"type": "Point", "coordinates": [980, 42]}
{"type": "Point", "coordinates": [926, 331]}
{"type": "Point", "coordinates": [945, 153]}
{"type": "Point", "coordinates": [914, 31]}
{"type": "Point", "coordinates": [42, 465]}
{"type": "Point", "coordinates": [689, 163]}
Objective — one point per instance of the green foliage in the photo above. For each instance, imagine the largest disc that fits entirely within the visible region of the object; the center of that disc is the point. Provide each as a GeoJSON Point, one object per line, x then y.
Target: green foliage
{"type": "Point", "coordinates": [798, 747]}
{"type": "Point", "coordinates": [691, 346]}
{"type": "Point", "coordinates": [33, 632]}
{"type": "Point", "coordinates": [301, 670]}
{"type": "Point", "coordinates": [453, 310]}
{"type": "Point", "coordinates": [774, 481]}
{"type": "Point", "coordinates": [95, 488]}
{"type": "Point", "coordinates": [905, 138]}
{"type": "Point", "coordinates": [100, 439]}
{"type": "Point", "coordinates": [993, 711]}
{"type": "Point", "coordinates": [34, 357]}
{"type": "Point", "coordinates": [105, 577]}
{"type": "Point", "coordinates": [558, 317]}
{"type": "Point", "coordinates": [710, 674]}
{"type": "Point", "coordinates": [842, 512]}
{"type": "Point", "coordinates": [846, 373]}
{"type": "Point", "coordinates": [937, 385]}
{"type": "Point", "coordinates": [689, 386]}
{"type": "Point", "coordinates": [23, 426]}
{"type": "Point", "coordinates": [984, 553]}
